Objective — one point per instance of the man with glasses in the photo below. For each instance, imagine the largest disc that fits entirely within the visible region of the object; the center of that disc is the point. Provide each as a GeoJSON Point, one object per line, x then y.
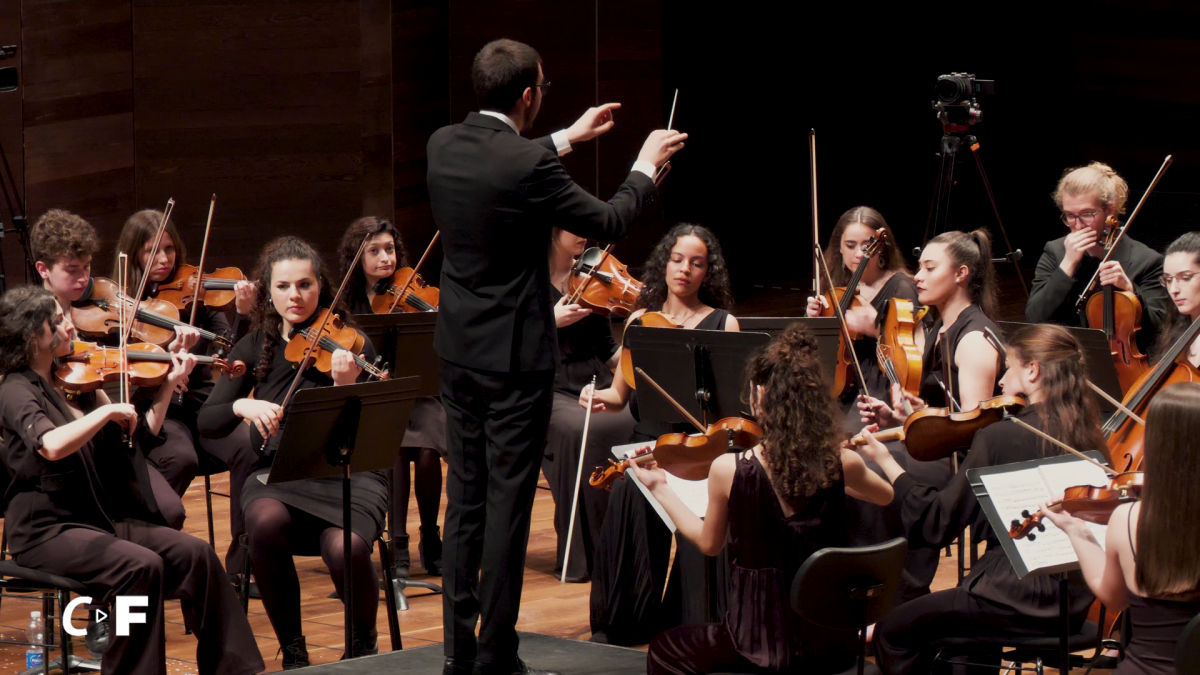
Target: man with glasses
{"type": "Point", "coordinates": [1089, 197]}
{"type": "Point", "coordinates": [495, 197]}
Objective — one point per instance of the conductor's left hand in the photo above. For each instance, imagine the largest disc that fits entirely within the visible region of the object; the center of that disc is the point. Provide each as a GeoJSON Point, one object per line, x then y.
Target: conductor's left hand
{"type": "Point", "coordinates": [594, 122]}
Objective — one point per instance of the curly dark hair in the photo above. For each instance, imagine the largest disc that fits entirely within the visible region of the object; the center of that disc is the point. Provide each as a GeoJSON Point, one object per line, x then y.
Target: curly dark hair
{"type": "Point", "coordinates": [61, 234]}
{"type": "Point", "coordinates": [139, 229]}
{"type": "Point", "coordinates": [24, 311]}
{"type": "Point", "coordinates": [799, 418]}
{"type": "Point", "coordinates": [352, 240]}
{"type": "Point", "coordinates": [264, 316]}
{"type": "Point", "coordinates": [1175, 324]}
{"type": "Point", "coordinates": [714, 291]}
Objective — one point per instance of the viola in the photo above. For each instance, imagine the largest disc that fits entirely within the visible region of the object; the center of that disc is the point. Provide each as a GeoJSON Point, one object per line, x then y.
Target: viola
{"type": "Point", "coordinates": [1119, 315]}
{"type": "Point", "coordinates": [89, 366]}
{"type": "Point", "coordinates": [847, 297]}
{"type": "Point", "coordinates": [97, 314]}
{"type": "Point", "coordinates": [415, 294]}
{"type": "Point", "coordinates": [931, 434]}
{"type": "Point", "coordinates": [1086, 502]}
{"type": "Point", "coordinates": [599, 281]}
{"type": "Point", "coordinates": [335, 336]}
{"type": "Point", "coordinates": [653, 320]}
{"type": "Point", "coordinates": [688, 456]}
{"type": "Point", "coordinates": [899, 357]}
{"type": "Point", "coordinates": [218, 292]}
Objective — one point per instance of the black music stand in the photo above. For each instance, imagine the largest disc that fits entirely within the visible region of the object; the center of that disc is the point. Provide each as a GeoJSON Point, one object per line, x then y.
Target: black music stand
{"type": "Point", "coordinates": [405, 341]}
{"type": "Point", "coordinates": [826, 329]}
{"type": "Point", "coordinates": [1097, 356]}
{"type": "Point", "coordinates": [336, 431]}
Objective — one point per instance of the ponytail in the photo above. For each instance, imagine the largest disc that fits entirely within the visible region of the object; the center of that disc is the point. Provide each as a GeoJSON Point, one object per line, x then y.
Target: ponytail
{"type": "Point", "coordinates": [974, 250]}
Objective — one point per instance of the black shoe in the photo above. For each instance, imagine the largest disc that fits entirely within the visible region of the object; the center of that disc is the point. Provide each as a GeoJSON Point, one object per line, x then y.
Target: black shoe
{"type": "Point", "coordinates": [456, 667]}
{"type": "Point", "coordinates": [97, 639]}
{"type": "Point", "coordinates": [295, 654]}
{"type": "Point", "coordinates": [402, 560]}
{"type": "Point", "coordinates": [431, 550]}
{"type": "Point", "coordinates": [362, 643]}
{"type": "Point", "coordinates": [518, 668]}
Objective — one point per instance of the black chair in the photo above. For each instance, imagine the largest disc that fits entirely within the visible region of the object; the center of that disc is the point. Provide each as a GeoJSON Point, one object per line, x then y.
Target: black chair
{"type": "Point", "coordinates": [1187, 653]}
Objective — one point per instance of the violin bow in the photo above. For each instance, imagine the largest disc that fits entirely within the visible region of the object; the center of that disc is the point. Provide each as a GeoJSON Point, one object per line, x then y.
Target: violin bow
{"type": "Point", "coordinates": [812, 167]}
{"type": "Point", "coordinates": [893, 377]}
{"type": "Point", "coordinates": [591, 276]}
{"type": "Point", "coordinates": [198, 298]}
{"type": "Point", "coordinates": [662, 392]}
{"type": "Point", "coordinates": [127, 328]}
{"type": "Point", "coordinates": [1013, 418]}
{"type": "Point", "coordinates": [1108, 254]}
{"type": "Point", "coordinates": [312, 343]}
{"type": "Point", "coordinates": [123, 344]}
{"type": "Point", "coordinates": [587, 421]}
{"type": "Point", "coordinates": [837, 306]}
{"type": "Point", "coordinates": [408, 283]}
{"type": "Point", "coordinates": [666, 167]}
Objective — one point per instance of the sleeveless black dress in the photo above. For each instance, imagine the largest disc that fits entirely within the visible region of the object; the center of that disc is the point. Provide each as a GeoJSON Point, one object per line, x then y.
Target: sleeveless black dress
{"type": "Point", "coordinates": [939, 355]}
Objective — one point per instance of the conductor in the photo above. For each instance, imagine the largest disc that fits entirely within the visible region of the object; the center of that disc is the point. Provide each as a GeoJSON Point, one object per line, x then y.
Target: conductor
{"type": "Point", "coordinates": [495, 196]}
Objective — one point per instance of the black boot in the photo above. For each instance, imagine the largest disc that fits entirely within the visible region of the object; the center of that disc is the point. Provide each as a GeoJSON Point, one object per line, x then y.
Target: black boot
{"type": "Point", "coordinates": [401, 560]}
{"type": "Point", "coordinates": [431, 550]}
{"type": "Point", "coordinates": [363, 643]}
{"type": "Point", "coordinates": [295, 654]}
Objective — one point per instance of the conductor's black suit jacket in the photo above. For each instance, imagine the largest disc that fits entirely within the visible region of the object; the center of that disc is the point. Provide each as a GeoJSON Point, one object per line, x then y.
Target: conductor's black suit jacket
{"type": "Point", "coordinates": [495, 196]}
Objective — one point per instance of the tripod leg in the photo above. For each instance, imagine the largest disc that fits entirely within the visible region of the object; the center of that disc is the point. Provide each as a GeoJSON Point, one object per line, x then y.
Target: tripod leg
{"type": "Point", "coordinates": [996, 210]}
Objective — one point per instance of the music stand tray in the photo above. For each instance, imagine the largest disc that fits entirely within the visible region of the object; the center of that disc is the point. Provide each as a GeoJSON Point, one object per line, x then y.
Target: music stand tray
{"type": "Point", "coordinates": [826, 329]}
{"type": "Point", "coordinates": [703, 369]}
{"type": "Point", "coordinates": [405, 341]}
{"type": "Point", "coordinates": [1097, 356]}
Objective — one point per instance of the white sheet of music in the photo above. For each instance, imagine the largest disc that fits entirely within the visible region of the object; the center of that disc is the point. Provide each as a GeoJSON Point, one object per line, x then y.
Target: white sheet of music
{"type": "Point", "coordinates": [1025, 490]}
{"type": "Point", "coordinates": [693, 493]}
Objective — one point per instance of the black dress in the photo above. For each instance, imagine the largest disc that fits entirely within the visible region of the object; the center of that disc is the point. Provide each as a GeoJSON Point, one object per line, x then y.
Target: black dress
{"type": "Point", "coordinates": [991, 599]}
{"type": "Point", "coordinates": [629, 578]}
{"type": "Point", "coordinates": [321, 497]}
{"type": "Point", "coordinates": [939, 355]}
{"type": "Point", "coordinates": [899, 285]}
{"type": "Point", "coordinates": [765, 549]}
{"type": "Point", "coordinates": [585, 347]}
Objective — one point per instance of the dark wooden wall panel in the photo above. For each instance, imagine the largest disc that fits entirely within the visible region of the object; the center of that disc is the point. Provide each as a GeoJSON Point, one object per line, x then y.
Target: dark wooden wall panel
{"type": "Point", "coordinates": [258, 102]}
{"type": "Point", "coordinates": [12, 142]}
{"type": "Point", "coordinates": [78, 109]}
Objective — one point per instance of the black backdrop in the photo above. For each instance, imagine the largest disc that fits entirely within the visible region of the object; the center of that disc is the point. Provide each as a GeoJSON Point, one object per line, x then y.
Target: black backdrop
{"type": "Point", "coordinates": [1116, 82]}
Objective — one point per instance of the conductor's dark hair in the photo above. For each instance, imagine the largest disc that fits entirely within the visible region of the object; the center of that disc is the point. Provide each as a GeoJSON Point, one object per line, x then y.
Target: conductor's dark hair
{"type": "Point", "coordinates": [501, 73]}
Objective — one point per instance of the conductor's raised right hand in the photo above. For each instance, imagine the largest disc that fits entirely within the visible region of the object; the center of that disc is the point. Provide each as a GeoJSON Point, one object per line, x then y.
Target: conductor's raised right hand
{"type": "Point", "coordinates": [660, 145]}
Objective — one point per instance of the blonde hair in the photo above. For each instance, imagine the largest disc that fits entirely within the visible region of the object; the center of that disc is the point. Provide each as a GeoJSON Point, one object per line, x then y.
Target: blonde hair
{"type": "Point", "coordinates": [1098, 178]}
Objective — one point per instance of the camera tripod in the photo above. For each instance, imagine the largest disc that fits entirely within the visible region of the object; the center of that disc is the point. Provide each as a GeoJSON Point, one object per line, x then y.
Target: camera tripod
{"type": "Point", "coordinates": [939, 209]}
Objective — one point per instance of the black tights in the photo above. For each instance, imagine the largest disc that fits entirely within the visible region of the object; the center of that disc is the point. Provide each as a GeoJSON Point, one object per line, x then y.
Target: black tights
{"type": "Point", "coordinates": [428, 488]}
{"type": "Point", "coordinates": [277, 532]}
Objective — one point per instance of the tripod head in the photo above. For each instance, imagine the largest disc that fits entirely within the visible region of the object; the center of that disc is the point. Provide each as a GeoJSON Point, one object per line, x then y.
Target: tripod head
{"type": "Point", "coordinates": [956, 105]}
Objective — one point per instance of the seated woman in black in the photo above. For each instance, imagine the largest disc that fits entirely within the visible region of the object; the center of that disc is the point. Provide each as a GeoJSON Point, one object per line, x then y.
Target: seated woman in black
{"type": "Point", "coordinates": [424, 442]}
{"type": "Point", "coordinates": [586, 348]}
{"type": "Point", "coordinates": [686, 279]}
{"type": "Point", "coordinates": [298, 517]}
{"type": "Point", "coordinates": [80, 504]}
{"type": "Point", "coordinates": [1148, 563]}
{"type": "Point", "coordinates": [775, 505]}
{"type": "Point", "coordinates": [1045, 365]}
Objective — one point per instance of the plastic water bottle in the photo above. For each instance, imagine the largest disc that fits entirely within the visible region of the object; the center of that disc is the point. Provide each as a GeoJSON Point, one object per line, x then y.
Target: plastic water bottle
{"type": "Point", "coordinates": [34, 656]}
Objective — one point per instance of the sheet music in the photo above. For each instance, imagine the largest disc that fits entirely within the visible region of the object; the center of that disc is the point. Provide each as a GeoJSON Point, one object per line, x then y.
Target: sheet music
{"type": "Point", "coordinates": [1018, 491]}
{"type": "Point", "coordinates": [693, 493]}
{"type": "Point", "coordinates": [1059, 477]}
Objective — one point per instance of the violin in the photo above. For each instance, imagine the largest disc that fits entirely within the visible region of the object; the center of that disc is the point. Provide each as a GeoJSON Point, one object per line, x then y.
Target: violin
{"type": "Point", "coordinates": [1126, 435]}
{"type": "Point", "coordinates": [89, 366]}
{"type": "Point", "coordinates": [848, 298]}
{"type": "Point", "coordinates": [1119, 315]}
{"type": "Point", "coordinates": [97, 314]}
{"type": "Point", "coordinates": [931, 434]}
{"type": "Point", "coordinates": [899, 357]}
{"type": "Point", "coordinates": [217, 294]}
{"type": "Point", "coordinates": [1085, 502]}
{"type": "Point", "coordinates": [334, 336]}
{"type": "Point", "coordinates": [688, 456]}
{"type": "Point", "coordinates": [653, 320]}
{"type": "Point", "coordinates": [405, 291]}
{"type": "Point", "coordinates": [599, 281]}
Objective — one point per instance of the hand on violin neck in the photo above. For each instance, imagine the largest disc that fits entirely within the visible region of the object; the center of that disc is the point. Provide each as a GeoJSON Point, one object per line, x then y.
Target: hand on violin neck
{"type": "Point", "coordinates": [182, 364]}
{"type": "Point", "coordinates": [1069, 524]}
{"type": "Point", "coordinates": [594, 122]}
{"type": "Point", "coordinates": [1111, 274]}
{"type": "Point", "coordinates": [649, 475]}
{"type": "Point", "coordinates": [343, 368]}
{"type": "Point", "coordinates": [871, 448]}
{"type": "Point", "coordinates": [245, 294]}
{"type": "Point", "coordinates": [186, 337]}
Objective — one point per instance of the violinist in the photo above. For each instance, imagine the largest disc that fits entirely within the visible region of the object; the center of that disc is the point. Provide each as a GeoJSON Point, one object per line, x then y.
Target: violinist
{"type": "Point", "coordinates": [1148, 563]}
{"type": "Point", "coordinates": [1087, 197]}
{"type": "Point", "coordinates": [1045, 365]}
{"type": "Point", "coordinates": [185, 449]}
{"type": "Point", "coordinates": [79, 504]}
{"type": "Point", "coordinates": [297, 517]}
{"type": "Point", "coordinates": [775, 505]}
{"type": "Point", "coordinates": [885, 278]}
{"type": "Point", "coordinates": [587, 349]}
{"type": "Point", "coordinates": [424, 442]}
{"type": "Point", "coordinates": [62, 245]}
{"type": "Point", "coordinates": [1181, 279]}
{"type": "Point", "coordinates": [686, 279]}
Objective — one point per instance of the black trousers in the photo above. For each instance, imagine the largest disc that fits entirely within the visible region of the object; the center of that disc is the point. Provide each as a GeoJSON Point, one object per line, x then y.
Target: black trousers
{"type": "Point", "coordinates": [157, 562]}
{"type": "Point", "coordinates": [495, 431]}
